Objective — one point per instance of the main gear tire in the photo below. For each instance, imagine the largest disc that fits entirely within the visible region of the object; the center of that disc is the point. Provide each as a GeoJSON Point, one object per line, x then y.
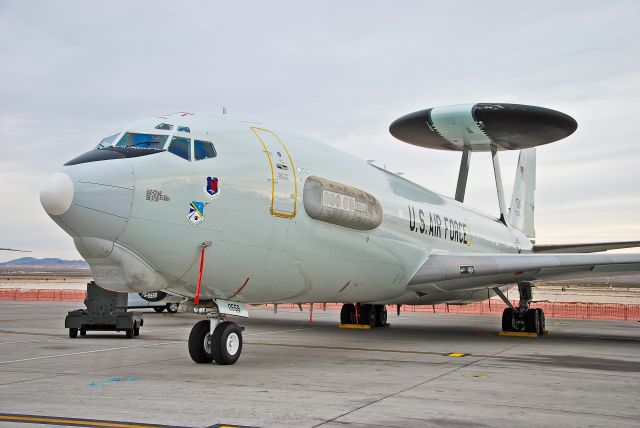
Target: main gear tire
{"type": "Point", "coordinates": [541, 321]}
{"type": "Point", "coordinates": [348, 314]}
{"type": "Point", "coordinates": [381, 315]}
{"type": "Point", "coordinates": [531, 321]}
{"type": "Point", "coordinates": [507, 319]}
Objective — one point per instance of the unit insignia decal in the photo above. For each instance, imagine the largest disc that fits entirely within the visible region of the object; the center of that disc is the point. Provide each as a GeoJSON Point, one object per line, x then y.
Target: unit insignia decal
{"type": "Point", "coordinates": [211, 189]}
{"type": "Point", "coordinates": [196, 212]}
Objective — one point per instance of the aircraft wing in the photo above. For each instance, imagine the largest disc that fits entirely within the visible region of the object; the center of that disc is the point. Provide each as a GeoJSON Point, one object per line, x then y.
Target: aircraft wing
{"type": "Point", "coordinates": [584, 248]}
{"type": "Point", "coordinates": [470, 271]}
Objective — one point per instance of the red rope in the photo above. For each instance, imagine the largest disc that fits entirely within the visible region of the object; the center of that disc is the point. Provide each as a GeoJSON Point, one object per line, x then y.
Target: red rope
{"type": "Point", "coordinates": [197, 297]}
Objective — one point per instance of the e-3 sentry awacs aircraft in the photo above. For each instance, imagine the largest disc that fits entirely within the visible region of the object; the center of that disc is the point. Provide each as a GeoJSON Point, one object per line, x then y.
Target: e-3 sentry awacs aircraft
{"type": "Point", "coordinates": [230, 212]}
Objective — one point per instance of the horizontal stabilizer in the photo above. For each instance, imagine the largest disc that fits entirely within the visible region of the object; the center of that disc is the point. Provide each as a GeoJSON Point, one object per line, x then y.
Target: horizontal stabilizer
{"type": "Point", "coordinates": [584, 248]}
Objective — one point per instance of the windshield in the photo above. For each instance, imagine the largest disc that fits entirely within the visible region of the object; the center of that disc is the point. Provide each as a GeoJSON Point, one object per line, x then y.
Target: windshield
{"type": "Point", "coordinates": [204, 150]}
{"type": "Point", "coordinates": [181, 146]}
{"type": "Point", "coordinates": [145, 141]}
{"type": "Point", "coordinates": [107, 141]}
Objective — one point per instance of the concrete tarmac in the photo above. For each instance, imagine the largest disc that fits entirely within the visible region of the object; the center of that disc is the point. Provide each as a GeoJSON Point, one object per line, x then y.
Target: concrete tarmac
{"type": "Point", "coordinates": [292, 373]}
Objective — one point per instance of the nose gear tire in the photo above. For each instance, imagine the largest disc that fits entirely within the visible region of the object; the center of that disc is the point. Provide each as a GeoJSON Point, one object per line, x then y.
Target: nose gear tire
{"type": "Point", "coordinates": [197, 338]}
{"type": "Point", "coordinates": [226, 343]}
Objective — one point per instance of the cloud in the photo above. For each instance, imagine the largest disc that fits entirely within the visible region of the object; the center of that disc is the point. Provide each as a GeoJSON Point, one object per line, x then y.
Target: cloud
{"type": "Point", "coordinates": [73, 72]}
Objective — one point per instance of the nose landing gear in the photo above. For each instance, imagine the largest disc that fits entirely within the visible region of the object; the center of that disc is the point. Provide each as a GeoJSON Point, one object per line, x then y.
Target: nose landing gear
{"type": "Point", "coordinates": [522, 318]}
{"type": "Point", "coordinates": [215, 339]}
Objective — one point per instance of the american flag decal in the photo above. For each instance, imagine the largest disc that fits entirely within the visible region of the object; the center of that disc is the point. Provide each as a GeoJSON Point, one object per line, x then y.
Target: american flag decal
{"type": "Point", "coordinates": [523, 173]}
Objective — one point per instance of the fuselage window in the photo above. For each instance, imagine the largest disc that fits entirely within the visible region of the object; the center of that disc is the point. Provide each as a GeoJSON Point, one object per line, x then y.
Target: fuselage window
{"type": "Point", "coordinates": [184, 129]}
{"type": "Point", "coordinates": [106, 142]}
{"type": "Point", "coordinates": [203, 150]}
{"type": "Point", "coordinates": [165, 126]}
{"type": "Point", "coordinates": [145, 141]}
{"type": "Point", "coordinates": [181, 147]}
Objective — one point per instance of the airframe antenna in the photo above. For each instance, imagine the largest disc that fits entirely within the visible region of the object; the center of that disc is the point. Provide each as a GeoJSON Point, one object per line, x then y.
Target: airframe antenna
{"type": "Point", "coordinates": [483, 127]}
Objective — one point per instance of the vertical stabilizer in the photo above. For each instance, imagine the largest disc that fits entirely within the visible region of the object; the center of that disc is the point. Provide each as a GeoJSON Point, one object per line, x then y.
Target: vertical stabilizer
{"type": "Point", "coordinates": [521, 211]}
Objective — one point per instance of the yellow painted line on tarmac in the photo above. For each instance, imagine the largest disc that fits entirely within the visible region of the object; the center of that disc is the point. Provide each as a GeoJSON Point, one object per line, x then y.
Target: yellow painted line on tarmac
{"type": "Point", "coordinates": [91, 423]}
{"type": "Point", "coordinates": [77, 422]}
{"type": "Point", "coordinates": [456, 354]}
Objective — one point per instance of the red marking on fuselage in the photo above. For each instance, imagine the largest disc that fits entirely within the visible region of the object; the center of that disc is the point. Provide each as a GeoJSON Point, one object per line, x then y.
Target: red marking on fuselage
{"type": "Point", "coordinates": [239, 290]}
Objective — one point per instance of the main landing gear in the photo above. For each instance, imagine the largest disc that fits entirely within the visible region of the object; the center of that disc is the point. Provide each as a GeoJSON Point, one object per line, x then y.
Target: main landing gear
{"type": "Point", "coordinates": [215, 339]}
{"type": "Point", "coordinates": [364, 314]}
{"type": "Point", "coordinates": [523, 318]}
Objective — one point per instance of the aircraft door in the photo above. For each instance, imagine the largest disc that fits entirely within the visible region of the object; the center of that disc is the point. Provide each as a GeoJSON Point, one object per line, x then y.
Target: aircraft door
{"type": "Point", "coordinates": [283, 175]}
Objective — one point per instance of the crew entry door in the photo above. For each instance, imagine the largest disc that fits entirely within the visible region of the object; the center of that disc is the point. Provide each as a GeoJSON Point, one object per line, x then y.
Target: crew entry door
{"type": "Point", "coordinates": [283, 175]}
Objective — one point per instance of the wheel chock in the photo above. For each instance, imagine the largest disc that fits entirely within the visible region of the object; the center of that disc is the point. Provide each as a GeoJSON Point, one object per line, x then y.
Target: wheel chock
{"type": "Point", "coordinates": [519, 333]}
{"type": "Point", "coordinates": [355, 326]}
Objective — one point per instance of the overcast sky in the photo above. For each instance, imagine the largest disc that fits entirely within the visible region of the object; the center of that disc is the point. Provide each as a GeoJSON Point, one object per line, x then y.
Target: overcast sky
{"type": "Point", "coordinates": [341, 72]}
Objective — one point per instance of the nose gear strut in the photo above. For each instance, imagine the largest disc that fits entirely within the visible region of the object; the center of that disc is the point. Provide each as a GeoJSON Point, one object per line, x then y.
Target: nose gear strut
{"type": "Point", "coordinates": [214, 339]}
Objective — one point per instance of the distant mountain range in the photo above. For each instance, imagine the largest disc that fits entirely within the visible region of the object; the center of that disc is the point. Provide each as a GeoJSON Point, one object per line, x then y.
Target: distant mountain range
{"type": "Point", "coordinates": [49, 263]}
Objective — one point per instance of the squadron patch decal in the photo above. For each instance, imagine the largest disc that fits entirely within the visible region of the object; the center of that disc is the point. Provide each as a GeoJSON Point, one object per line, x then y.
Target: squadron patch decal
{"type": "Point", "coordinates": [196, 212]}
{"type": "Point", "coordinates": [211, 189]}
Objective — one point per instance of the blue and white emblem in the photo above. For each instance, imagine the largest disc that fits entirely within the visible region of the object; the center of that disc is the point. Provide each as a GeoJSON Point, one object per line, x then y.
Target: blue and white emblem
{"type": "Point", "coordinates": [196, 212]}
{"type": "Point", "coordinates": [211, 189]}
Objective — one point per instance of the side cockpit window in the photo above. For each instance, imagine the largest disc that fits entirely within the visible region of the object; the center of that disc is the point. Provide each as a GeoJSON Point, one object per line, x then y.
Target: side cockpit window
{"type": "Point", "coordinates": [203, 150]}
{"type": "Point", "coordinates": [181, 147]}
{"type": "Point", "coordinates": [106, 142]}
{"type": "Point", "coordinates": [165, 126]}
{"type": "Point", "coordinates": [184, 129]}
{"type": "Point", "coordinates": [143, 141]}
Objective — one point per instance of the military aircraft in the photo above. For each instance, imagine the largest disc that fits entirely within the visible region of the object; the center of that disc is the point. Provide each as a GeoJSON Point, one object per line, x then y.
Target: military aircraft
{"type": "Point", "coordinates": [228, 212]}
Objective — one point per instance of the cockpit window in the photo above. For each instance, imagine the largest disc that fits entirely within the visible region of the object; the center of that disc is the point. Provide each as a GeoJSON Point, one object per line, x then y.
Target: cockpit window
{"type": "Point", "coordinates": [184, 129]}
{"type": "Point", "coordinates": [145, 141]}
{"type": "Point", "coordinates": [165, 126]}
{"type": "Point", "coordinates": [106, 142]}
{"type": "Point", "coordinates": [181, 147]}
{"type": "Point", "coordinates": [203, 150]}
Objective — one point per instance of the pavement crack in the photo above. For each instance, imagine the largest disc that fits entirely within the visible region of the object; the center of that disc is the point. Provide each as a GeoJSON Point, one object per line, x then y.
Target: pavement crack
{"type": "Point", "coordinates": [409, 388]}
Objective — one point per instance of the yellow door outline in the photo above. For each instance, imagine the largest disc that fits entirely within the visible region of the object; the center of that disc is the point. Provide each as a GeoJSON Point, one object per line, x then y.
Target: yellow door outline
{"type": "Point", "coordinates": [273, 181]}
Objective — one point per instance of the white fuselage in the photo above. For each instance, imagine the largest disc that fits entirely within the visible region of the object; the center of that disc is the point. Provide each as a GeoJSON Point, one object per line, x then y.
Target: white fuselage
{"type": "Point", "coordinates": [278, 257]}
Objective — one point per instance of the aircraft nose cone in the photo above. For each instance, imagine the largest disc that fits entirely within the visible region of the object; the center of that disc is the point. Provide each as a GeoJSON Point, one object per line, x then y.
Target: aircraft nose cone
{"type": "Point", "coordinates": [56, 193]}
{"type": "Point", "coordinates": [91, 202]}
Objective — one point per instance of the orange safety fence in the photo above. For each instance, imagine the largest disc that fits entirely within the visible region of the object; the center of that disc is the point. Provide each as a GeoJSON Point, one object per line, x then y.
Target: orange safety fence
{"type": "Point", "coordinates": [41, 295]}
{"type": "Point", "coordinates": [583, 310]}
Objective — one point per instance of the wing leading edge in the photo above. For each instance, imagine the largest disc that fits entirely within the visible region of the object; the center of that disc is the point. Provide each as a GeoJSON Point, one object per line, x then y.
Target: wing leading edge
{"type": "Point", "coordinates": [469, 271]}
